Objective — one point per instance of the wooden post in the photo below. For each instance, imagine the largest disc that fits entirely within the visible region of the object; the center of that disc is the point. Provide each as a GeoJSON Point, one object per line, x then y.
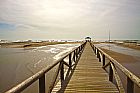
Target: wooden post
{"type": "Point", "coordinates": [110, 73]}
{"type": "Point", "coordinates": [130, 85]}
{"type": "Point", "coordinates": [62, 72]}
{"type": "Point", "coordinates": [76, 53]}
{"type": "Point", "coordinates": [70, 63]}
{"type": "Point", "coordinates": [93, 47]}
{"type": "Point", "coordinates": [103, 59]}
{"type": "Point", "coordinates": [95, 50]}
{"type": "Point", "coordinates": [79, 50]}
{"type": "Point", "coordinates": [98, 53]}
{"type": "Point", "coordinates": [99, 58]}
{"type": "Point", "coordinates": [42, 84]}
{"type": "Point", "coordinates": [74, 56]}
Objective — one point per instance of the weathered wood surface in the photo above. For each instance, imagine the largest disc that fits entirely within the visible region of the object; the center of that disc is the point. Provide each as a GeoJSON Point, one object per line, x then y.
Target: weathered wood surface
{"type": "Point", "coordinates": [88, 77]}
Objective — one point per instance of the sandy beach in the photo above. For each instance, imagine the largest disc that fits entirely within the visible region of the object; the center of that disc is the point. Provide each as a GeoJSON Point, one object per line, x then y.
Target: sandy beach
{"type": "Point", "coordinates": [128, 45]}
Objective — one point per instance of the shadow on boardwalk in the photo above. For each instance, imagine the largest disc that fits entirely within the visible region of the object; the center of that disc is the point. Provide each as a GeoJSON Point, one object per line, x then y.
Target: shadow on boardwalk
{"type": "Point", "coordinates": [68, 76]}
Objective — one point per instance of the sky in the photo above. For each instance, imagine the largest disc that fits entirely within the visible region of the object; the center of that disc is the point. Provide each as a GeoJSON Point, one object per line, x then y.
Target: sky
{"type": "Point", "coordinates": [69, 19]}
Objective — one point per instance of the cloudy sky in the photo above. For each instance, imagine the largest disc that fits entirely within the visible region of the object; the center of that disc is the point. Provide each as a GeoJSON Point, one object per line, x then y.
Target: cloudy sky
{"type": "Point", "coordinates": [69, 19]}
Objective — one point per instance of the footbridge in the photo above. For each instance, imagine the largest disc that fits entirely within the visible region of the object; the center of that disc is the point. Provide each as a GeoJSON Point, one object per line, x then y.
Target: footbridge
{"type": "Point", "coordinates": [86, 71]}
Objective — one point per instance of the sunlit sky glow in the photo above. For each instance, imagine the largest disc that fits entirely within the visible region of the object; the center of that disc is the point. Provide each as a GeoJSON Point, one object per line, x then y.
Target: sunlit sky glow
{"type": "Point", "coordinates": [69, 19]}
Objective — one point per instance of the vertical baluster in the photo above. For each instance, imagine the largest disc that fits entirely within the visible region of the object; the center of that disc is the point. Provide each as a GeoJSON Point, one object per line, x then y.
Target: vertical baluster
{"type": "Point", "coordinates": [98, 53]}
{"type": "Point", "coordinates": [79, 50]}
{"type": "Point", "coordinates": [110, 73]}
{"type": "Point", "coordinates": [95, 50]}
{"type": "Point", "coordinates": [62, 72]}
{"type": "Point", "coordinates": [70, 63]}
{"type": "Point", "coordinates": [99, 57]}
{"type": "Point", "coordinates": [103, 59]}
{"type": "Point", "coordinates": [93, 47]}
{"type": "Point", "coordinates": [76, 53]}
{"type": "Point", "coordinates": [130, 85]}
{"type": "Point", "coordinates": [74, 56]}
{"type": "Point", "coordinates": [42, 84]}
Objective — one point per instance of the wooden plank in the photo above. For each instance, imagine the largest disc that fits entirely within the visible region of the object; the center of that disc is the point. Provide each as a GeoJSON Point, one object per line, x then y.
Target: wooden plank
{"type": "Point", "coordinates": [88, 77]}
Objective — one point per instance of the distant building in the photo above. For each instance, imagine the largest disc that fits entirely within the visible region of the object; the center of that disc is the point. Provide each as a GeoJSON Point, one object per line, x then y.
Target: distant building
{"type": "Point", "coordinates": [88, 39]}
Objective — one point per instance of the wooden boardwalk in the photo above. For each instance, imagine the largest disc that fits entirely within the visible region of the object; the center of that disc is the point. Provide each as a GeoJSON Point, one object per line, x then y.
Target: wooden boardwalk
{"type": "Point", "coordinates": [87, 76]}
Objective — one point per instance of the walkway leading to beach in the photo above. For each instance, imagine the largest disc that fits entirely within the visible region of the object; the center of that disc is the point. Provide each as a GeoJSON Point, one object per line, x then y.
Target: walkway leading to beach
{"type": "Point", "coordinates": [88, 77]}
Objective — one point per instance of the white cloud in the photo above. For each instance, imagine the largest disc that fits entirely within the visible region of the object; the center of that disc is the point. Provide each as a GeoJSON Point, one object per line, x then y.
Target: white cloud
{"type": "Point", "coordinates": [79, 16]}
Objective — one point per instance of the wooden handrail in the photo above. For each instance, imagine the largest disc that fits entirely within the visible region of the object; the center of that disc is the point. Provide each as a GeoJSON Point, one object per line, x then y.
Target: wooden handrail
{"type": "Point", "coordinates": [41, 74]}
{"type": "Point", "coordinates": [131, 77]}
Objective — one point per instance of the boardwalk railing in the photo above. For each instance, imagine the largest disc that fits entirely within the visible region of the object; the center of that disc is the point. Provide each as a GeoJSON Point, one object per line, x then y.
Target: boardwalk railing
{"type": "Point", "coordinates": [113, 64]}
{"type": "Point", "coordinates": [73, 56]}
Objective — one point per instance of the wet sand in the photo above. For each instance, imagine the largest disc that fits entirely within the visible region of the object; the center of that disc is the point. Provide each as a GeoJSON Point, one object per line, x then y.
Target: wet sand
{"type": "Point", "coordinates": [128, 45]}
{"type": "Point", "coordinates": [133, 46]}
{"type": "Point", "coordinates": [119, 56]}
